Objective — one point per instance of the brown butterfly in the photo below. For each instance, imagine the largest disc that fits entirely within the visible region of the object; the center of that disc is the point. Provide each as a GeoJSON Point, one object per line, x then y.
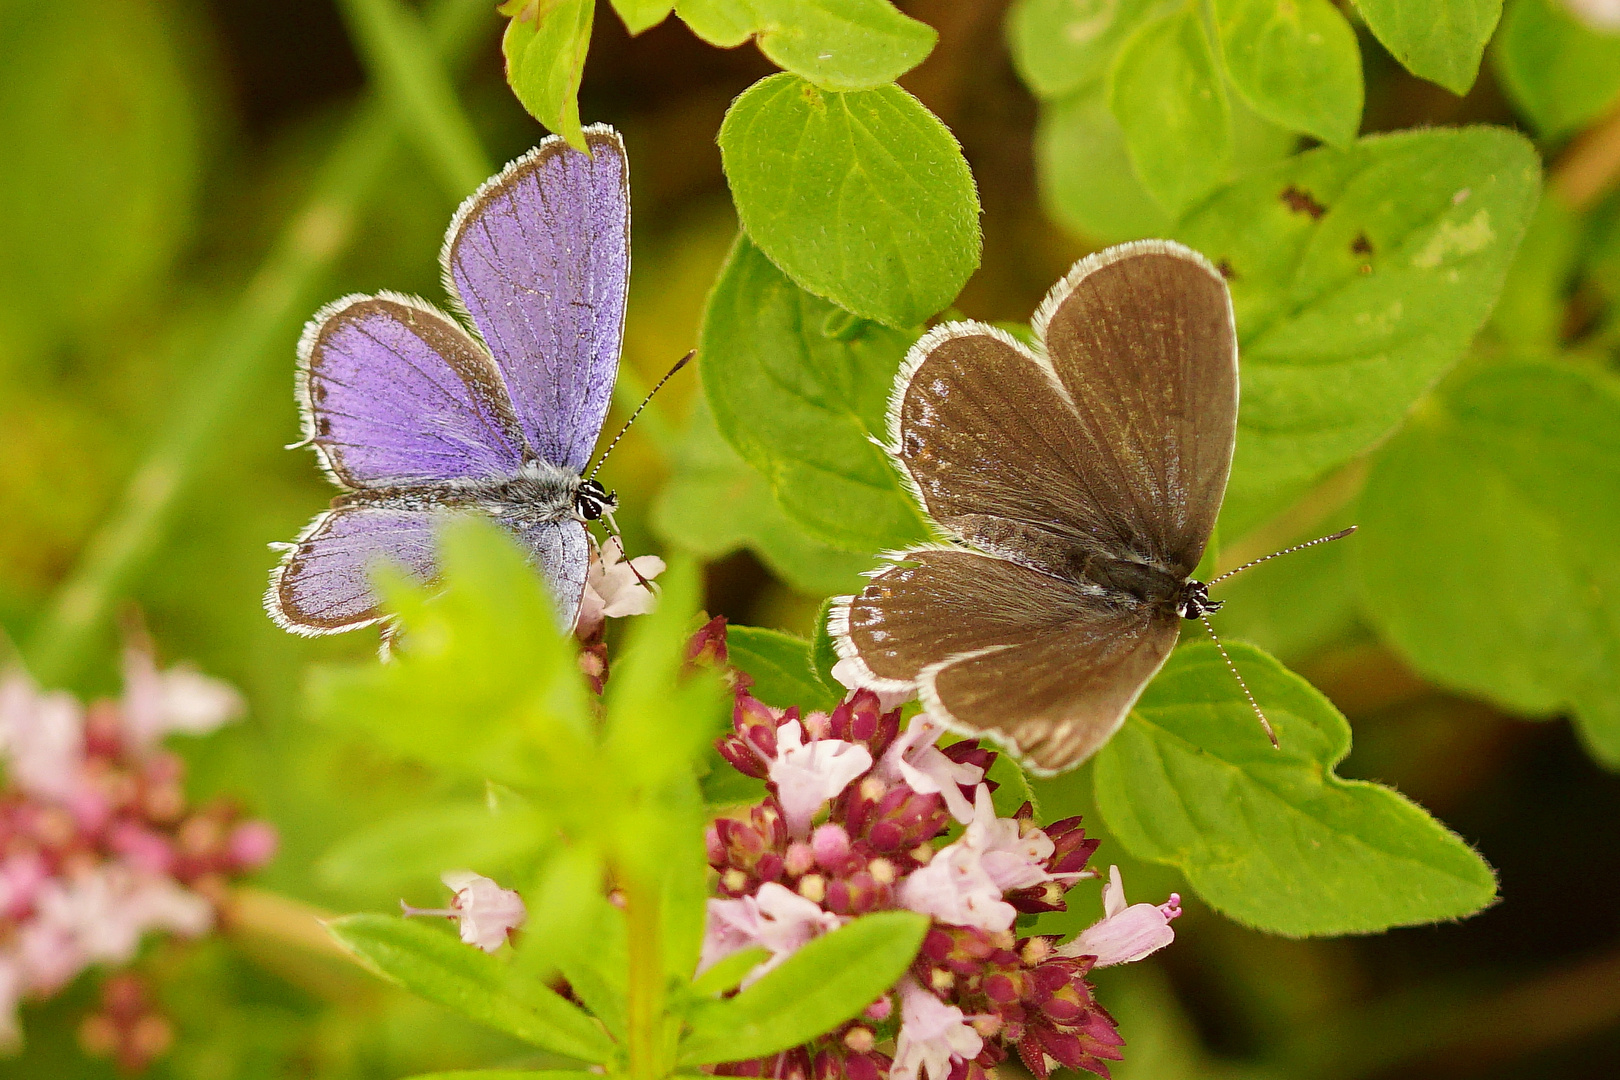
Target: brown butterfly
{"type": "Point", "coordinates": [1078, 482]}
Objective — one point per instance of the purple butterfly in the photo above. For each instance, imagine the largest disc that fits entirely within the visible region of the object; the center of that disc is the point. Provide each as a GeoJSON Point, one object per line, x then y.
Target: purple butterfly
{"type": "Point", "coordinates": [416, 419]}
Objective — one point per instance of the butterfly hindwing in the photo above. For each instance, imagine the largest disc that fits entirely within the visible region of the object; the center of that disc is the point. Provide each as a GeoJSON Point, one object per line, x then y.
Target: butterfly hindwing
{"type": "Point", "coordinates": [323, 585]}
{"type": "Point", "coordinates": [1042, 665]}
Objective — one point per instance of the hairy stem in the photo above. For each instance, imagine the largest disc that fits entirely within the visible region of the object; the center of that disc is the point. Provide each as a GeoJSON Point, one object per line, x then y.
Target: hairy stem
{"type": "Point", "coordinates": [646, 982]}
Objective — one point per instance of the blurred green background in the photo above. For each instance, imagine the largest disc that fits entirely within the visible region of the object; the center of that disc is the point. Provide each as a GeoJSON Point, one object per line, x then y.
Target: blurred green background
{"type": "Point", "coordinates": [182, 183]}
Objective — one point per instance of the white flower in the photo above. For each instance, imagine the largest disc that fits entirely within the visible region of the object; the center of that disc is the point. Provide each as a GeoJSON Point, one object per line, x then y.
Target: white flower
{"type": "Point", "coordinates": [1013, 860]}
{"type": "Point", "coordinates": [848, 673]}
{"type": "Point", "coordinates": [963, 883]}
{"type": "Point", "coordinates": [616, 587]}
{"type": "Point", "coordinates": [956, 888]}
{"type": "Point", "coordinates": [487, 912]}
{"type": "Point", "coordinates": [806, 775]}
{"type": "Point", "coordinates": [180, 699]}
{"type": "Point", "coordinates": [914, 758]}
{"type": "Point", "coordinates": [42, 735]}
{"type": "Point", "coordinates": [933, 1035]}
{"type": "Point", "coordinates": [1601, 15]}
{"type": "Point", "coordinates": [1125, 934]}
{"type": "Point", "coordinates": [776, 919]}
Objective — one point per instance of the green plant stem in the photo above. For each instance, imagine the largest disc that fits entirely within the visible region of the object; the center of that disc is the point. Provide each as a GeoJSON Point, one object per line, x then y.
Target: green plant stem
{"type": "Point", "coordinates": [249, 337]}
{"type": "Point", "coordinates": [645, 993]}
{"type": "Point", "coordinates": [404, 66]}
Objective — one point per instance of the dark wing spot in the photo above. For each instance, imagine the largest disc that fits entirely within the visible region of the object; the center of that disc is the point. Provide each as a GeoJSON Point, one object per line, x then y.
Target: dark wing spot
{"type": "Point", "coordinates": [1361, 245]}
{"type": "Point", "coordinates": [1226, 270]}
{"type": "Point", "coordinates": [1301, 202]}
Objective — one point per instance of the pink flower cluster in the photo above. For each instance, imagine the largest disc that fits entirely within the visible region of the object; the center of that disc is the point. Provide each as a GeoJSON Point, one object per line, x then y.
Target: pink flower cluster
{"type": "Point", "coordinates": [98, 846]}
{"type": "Point", "coordinates": [858, 817]}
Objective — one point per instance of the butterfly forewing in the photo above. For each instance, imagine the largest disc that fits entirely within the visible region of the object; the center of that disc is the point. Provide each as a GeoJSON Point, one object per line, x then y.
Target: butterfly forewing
{"type": "Point", "coordinates": [1143, 339]}
{"type": "Point", "coordinates": [395, 393]}
{"type": "Point", "coordinates": [1088, 473]}
{"type": "Point", "coordinates": [540, 258]}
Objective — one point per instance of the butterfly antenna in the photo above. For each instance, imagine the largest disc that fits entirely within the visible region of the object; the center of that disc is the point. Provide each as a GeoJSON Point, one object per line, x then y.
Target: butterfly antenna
{"type": "Point", "coordinates": [682, 362]}
{"type": "Point", "coordinates": [1340, 535]}
{"type": "Point", "coordinates": [1230, 666]}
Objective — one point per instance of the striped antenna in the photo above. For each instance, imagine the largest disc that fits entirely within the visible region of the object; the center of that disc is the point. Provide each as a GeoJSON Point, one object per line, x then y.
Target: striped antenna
{"type": "Point", "coordinates": [682, 362]}
{"type": "Point", "coordinates": [1340, 535]}
{"type": "Point", "coordinates": [1230, 666]}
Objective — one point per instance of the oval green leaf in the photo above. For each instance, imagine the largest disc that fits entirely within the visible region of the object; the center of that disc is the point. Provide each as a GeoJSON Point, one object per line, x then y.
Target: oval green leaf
{"type": "Point", "coordinates": [1359, 276]}
{"type": "Point", "coordinates": [1060, 46]}
{"type": "Point", "coordinates": [545, 46]}
{"type": "Point", "coordinates": [822, 985]}
{"type": "Point", "coordinates": [1296, 63]}
{"type": "Point", "coordinates": [801, 399]}
{"type": "Point", "coordinates": [862, 198]}
{"type": "Point", "coordinates": [836, 44]}
{"type": "Point", "coordinates": [781, 667]}
{"type": "Point", "coordinates": [1167, 95]}
{"type": "Point", "coordinates": [467, 980]}
{"type": "Point", "coordinates": [1438, 40]}
{"type": "Point", "coordinates": [714, 503]}
{"type": "Point", "coordinates": [1271, 837]}
{"type": "Point", "coordinates": [1490, 548]}
{"type": "Point", "coordinates": [1560, 72]}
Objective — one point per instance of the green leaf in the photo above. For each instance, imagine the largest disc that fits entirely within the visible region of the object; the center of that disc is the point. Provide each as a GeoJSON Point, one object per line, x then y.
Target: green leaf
{"type": "Point", "coordinates": [103, 131]}
{"type": "Point", "coordinates": [836, 44]}
{"type": "Point", "coordinates": [726, 973]}
{"type": "Point", "coordinates": [1359, 276]}
{"type": "Point", "coordinates": [803, 407]}
{"type": "Point", "coordinates": [545, 61]}
{"type": "Point", "coordinates": [482, 685]}
{"type": "Point", "coordinates": [639, 15]}
{"type": "Point", "coordinates": [1086, 180]}
{"type": "Point", "coordinates": [1060, 46]}
{"type": "Point", "coordinates": [1438, 40]}
{"type": "Point", "coordinates": [824, 652]}
{"type": "Point", "coordinates": [1295, 62]}
{"type": "Point", "coordinates": [862, 198]}
{"type": "Point", "coordinates": [658, 721]}
{"type": "Point", "coordinates": [1559, 72]}
{"type": "Point", "coordinates": [1535, 295]}
{"type": "Point", "coordinates": [1272, 838]}
{"type": "Point", "coordinates": [781, 667]}
{"type": "Point", "coordinates": [822, 985]}
{"type": "Point", "coordinates": [465, 979]}
{"type": "Point", "coordinates": [714, 504]}
{"type": "Point", "coordinates": [1490, 547]}
{"type": "Point", "coordinates": [1294, 606]}
{"type": "Point", "coordinates": [1085, 171]}
{"type": "Point", "coordinates": [410, 850]}
{"type": "Point", "coordinates": [1167, 95]}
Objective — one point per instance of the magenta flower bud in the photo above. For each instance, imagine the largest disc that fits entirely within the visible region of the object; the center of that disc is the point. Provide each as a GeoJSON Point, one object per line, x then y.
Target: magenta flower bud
{"type": "Point", "coordinates": [708, 646]}
{"type": "Point", "coordinates": [141, 848]}
{"type": "Point", "coordinates": [830, 844]}
{"type": "Point", "coordinates": [880, 1009]}
{"type": "Point", "coordinates": [800, 859]}
{"type": "Point", "coordinates": [252, 844]}
{"type": "Point", "coordinates": [902, 819]}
